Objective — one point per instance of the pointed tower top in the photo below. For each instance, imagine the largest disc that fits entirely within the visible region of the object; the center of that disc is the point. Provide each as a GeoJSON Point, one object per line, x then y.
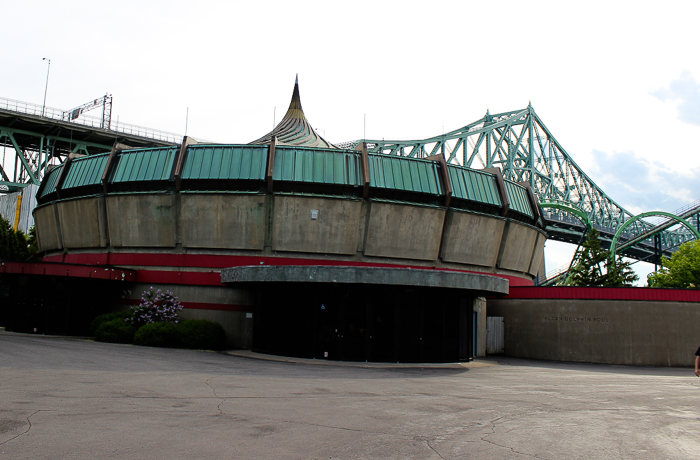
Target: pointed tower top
{"type": "Point", "coordinates": [294, 128]}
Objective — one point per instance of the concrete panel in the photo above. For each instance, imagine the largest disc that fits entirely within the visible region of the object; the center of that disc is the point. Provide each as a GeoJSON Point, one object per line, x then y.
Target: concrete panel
{"type": "Point", "coordinates": [600, 331]}
{"type": "Point", "coordinates": [517, 247]}
{"type": "Point", "coordinates": [80, 223]}
{"type": "Point", "coordinates": [404, 231]}
{"type": "Point", "coordinates": [472, 239]}
{"type": "Point", "coordinates": [480, 309]}
{"type": "Point", "coordinates": [538, 255]}
{"type": "Point", "coordinates": [223, 221]}
{"type": "Point", "coordinates": [141, 220]}
{"type": "Point", "coordinates": [332, 231]}
{"type": "Point", "coordinates": [47, 228]}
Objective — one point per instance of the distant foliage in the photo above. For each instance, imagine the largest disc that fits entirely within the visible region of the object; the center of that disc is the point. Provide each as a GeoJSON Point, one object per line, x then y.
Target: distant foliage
{"type": "Point", "coordinates": [13, 245]}
{"type": "Point", "coordinates": [596, 268]}
{"type": "Point", "coordinates": [156, 306]}
{"type": "Point", "coordinates": [682, 270]}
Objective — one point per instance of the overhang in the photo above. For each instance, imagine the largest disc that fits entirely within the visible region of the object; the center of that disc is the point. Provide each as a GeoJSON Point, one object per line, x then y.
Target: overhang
{"type": "Point", "coordinates": [482, 284]}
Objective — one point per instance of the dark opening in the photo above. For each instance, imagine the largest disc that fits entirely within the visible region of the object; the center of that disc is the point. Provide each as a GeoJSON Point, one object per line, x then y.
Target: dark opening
{"type": "Point", "coordinates": [363, 322]}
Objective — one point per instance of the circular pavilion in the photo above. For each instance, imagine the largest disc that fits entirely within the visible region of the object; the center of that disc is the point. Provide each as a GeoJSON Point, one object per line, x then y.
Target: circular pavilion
{"type": "Point", "coordinates": [298, 247]}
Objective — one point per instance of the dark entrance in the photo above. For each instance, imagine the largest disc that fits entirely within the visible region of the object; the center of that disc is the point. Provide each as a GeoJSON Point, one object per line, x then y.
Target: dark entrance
{"type": "Point", "coordinates": [363, 322]}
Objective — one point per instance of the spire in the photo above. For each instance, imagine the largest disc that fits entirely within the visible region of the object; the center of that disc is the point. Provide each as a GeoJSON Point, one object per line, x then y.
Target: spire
{"type": "Point", "coordinates": [294, 128]}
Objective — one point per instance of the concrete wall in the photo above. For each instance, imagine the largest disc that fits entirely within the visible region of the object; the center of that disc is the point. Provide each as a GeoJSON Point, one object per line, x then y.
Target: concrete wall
{"type": "Point", "coordinates": [141, 220]}
{"type": "Point", "coordinates": [537, 263]}
{"type": "Point", "coordinates": [223, 221]}
{"type": "Point", "coordinates": [272, 225]}
{"type": "Point", "coordinates": [403, 231]}
{"type": "Point", "coordinates": [517, 247]}
{"type": "Point", "coordinates": [47, 229]}
{"type": "Point", "coordinates": [600, 331]}
{"type": "Point", "coordinates": [80, 223]}
{"type": "Point", "coordinates": [318, 225]}
{"type": "Point", "coordinates": [472, 238]}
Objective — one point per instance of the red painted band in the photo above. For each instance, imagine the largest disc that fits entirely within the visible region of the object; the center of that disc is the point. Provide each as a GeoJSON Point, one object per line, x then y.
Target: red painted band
{"type": "Point", "coordinates": [71, 270]}
{"type": "Point", "coordinates": [184, 261]}
{"type": "Point", "coordinates": [605, 293]}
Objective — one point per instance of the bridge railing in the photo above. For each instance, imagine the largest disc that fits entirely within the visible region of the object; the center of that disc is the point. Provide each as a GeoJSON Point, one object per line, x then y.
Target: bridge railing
{"type": "Point", "coordinates": [86, 120]}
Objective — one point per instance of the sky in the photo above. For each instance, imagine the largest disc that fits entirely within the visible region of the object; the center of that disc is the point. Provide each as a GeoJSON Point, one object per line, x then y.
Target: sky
{"type": "Point", "coordinates": [617, 83]}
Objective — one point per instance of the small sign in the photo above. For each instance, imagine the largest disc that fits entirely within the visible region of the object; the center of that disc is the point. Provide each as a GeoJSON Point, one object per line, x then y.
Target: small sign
{"type": "Point", "coordinates": [314, 214]}
{"type": "Point", "coordinates": [248, 315]}
{"type": "Point", "coordinates": [325, 354]}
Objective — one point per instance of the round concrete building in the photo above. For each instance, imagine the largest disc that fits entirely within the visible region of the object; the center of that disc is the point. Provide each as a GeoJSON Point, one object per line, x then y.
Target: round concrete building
{"type": "Point", "coordinates": [298, 247]}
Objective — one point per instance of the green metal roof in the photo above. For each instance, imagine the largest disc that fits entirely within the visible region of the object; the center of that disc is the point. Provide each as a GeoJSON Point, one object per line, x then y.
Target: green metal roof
{"type": "Point", "coordinates": [318, 166]}
{"type": "Point", "coordinates": [225, 162]}
{"type": "Point", "coordinates": [409, 174]}
{"type": "Point", "coordinates": [50, 181]}
{"type": "Point", "coordinates": [472, 185]}
{"type": "Point", "coordinates": [86, 171]}
{"type": "Point", "coordinates": [144, 165]}
{"type": "Point", "coordinates": [517, 195]}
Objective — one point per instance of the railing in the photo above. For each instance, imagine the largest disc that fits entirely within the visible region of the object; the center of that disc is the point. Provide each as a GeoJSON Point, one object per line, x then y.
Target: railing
{"type": "Point", "coordinates": [85, 120]}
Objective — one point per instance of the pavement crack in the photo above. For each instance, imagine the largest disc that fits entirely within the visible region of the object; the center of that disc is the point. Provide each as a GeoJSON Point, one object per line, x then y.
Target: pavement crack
{"type": "Point", "coordinates": [512, 449]}
{"type": "Point", "coordinates": [29, 421]}
{"type": "Point", "coordinates": [213, 390]}
{"type": "Point", "coordinates": [433, 449]}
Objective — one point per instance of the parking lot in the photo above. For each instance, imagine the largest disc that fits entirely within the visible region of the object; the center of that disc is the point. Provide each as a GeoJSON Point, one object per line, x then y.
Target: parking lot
{"type": "Point", "coordinates": [77, 399]}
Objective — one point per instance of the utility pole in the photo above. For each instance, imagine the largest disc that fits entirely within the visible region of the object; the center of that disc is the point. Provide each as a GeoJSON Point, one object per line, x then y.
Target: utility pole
{"type": "Point", "coordinates": [43, 107]}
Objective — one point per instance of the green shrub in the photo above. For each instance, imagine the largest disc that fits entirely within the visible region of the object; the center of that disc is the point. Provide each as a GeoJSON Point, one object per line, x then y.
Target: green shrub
{"type": "Point", "coordinates": [157, 335]}
{"type": "Point", "coordinates": [108, 317]}
{"type": "Point", "coordinates": [115, 331]}
{"type": "Point", "coordinates": [201, 334]}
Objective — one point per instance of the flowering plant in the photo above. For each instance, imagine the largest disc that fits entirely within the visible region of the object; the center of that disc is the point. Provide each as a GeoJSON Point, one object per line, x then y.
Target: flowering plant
{"type": "Point", "coordinates": [156, 306]}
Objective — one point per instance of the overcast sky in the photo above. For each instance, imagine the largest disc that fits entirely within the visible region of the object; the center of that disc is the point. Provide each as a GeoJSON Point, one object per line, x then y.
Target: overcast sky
{"type": "Point", "coordinates": [615, 82]}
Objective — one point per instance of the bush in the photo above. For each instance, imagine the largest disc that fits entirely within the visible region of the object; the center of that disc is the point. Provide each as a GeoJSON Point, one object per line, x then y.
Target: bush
{"type": "Point", "coordinates": [155, 307]}
{"type": "Point", "coordinates": [201, 334]}
{"type": "Point", "coordinates": [115, 331]}
{"type": "Point", "coordinates": [108, 317]}
{"type": "Point", "coordinates": [157, 335]}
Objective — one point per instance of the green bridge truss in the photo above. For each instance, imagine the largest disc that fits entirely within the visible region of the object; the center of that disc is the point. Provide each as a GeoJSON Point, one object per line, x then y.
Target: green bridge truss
{"type": "Point", "coordinates": [521, 146]}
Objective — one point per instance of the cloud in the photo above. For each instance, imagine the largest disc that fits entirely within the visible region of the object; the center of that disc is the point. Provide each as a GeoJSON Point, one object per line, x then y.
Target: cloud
{"type": "Point", "coordinates": [640, 185]}
{"type": "Point", "coordinates": [686, 90]}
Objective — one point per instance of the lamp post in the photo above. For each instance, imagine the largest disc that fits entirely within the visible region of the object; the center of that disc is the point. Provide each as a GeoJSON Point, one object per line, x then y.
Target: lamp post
{"type": "Point", "coordinates": [43, 107]}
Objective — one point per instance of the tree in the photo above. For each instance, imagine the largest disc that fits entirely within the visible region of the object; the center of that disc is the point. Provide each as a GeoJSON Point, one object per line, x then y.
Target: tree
{"type": "Point", "coordinates": [13, 245]}
{"type": "Point", "coordinates": [682, 270]}
{"type": "Point", "coordinates": [595, 267]}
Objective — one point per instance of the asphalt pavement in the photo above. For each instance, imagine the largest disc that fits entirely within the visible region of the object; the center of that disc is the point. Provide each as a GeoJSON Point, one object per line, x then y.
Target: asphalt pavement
{"type": "Point", "coordinates": [78, 399]}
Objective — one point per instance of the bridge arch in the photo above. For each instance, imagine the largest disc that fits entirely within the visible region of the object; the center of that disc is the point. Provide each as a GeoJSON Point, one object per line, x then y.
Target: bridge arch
{"type": "Point", "coordinates": [622, 228]}
{"type": "Point", "coordinates": [565, 207]}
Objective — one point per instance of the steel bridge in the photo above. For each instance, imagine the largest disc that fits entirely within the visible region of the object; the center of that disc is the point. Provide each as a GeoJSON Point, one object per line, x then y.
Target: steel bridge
{"type": "Point", "coordinates": [33, 138]}
{"type": "Point", "coordinates": [517, 142]}
{"type": "Point", "coordinates": [521, 146]}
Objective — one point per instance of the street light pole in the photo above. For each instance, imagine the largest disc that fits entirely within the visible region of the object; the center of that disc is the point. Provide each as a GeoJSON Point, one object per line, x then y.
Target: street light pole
{"type": "Point", "coordinates": [43, 108]}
